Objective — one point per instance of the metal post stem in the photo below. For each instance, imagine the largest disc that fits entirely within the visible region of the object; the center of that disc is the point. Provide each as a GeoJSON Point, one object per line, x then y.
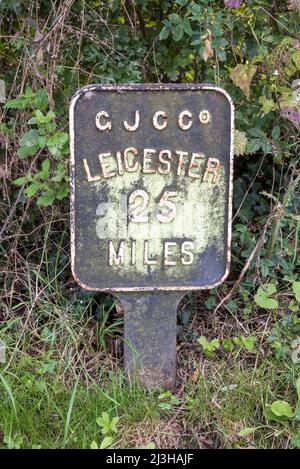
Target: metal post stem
{"type": "Point", "coordinates": [150, 336]}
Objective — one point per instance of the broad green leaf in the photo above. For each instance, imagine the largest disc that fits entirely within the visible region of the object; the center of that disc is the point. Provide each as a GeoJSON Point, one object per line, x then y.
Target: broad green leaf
{"type": "Point", "coordinates": [21, 102]}
{"type": "Point", "coordinates": [94, 445]}
{"type": "Point", "coordinates": [262, 296]}
{"type": "Point", "coordinates": [42, 141]}
{"type": "Point", "coordinates": [45, 171]}
{"type": "Point", "coordinates": [298, 389]}
{"type": "Point", "coordinates": [29, 144]}
{"type": "Point", "coordinates": [32, 189]}
{"type": "Point", "coordinates": [106, 442]}
{"type": "Point", "coordinates": [39, 115]}
{"type": "Point", "coordinates": [107, 424]}
{"type": "Point", "coordinates": [113, 424]}
{"type": "Point", "coordinates": [63, 191]}
{"type": "Point", "coordinates": [16, 103]}
{"type": "Point", "coordinates": [41, 99]}
{"type": "Point", "coordinates": [247, 431]}
{"type": "Point", "coordinates": [47, 198]}
{"type": "Point", "coordinates": [187, 27]}
{"type": "Point", "coordinates": [296, 290]}
{"type": "Point", "coordinates": [208, 346]}
{"type": "Point", "coordinates": [177, 32]}
{"type": "Point", "coordinates": [20, 181]}
{"type": "Point", "coordinates": [164, 34]}
{"type": "Point", "coordinates": [266, 145]}
{"type": "Point", "coordinates": [58, 139]}
{"type": "Point", "coordinates": [282, 409]}
{"type": "Point", "coordinates": [57, 142]}
{"type": "Point", "coordinates": [248, 343]}
{"type": "Point", "coordinates": [276, 132]}
{"type": "Point", "coordinates": [32, 121]}
{"type": "Point", "coordinates": [253, 145]}
{"type": "Point", "coordinates": [296, 439]}
{"type": "Point", "coordinates": [271, 416]}
{"type": "Point", "coordinates": [297, 415]}
{"type": "Point", "coordinates": [150, 445]}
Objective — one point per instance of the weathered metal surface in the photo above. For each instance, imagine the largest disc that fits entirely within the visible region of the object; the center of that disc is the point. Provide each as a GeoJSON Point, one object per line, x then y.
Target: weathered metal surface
{"type": "Point", "coordinates": [150, 336]}
{"type": "Point", "coordinates": [151, 192]}
{"type": "Point", "coordinates": [123, 158]}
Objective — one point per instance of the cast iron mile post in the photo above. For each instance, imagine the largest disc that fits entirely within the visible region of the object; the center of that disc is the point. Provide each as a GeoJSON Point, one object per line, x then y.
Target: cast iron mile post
{"type": "Point", "coordinates": [151, 194]}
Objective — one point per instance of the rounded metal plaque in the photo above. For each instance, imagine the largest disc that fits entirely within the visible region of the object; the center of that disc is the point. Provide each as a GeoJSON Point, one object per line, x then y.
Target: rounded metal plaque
{"type": "Point", "coordinates": [151, 186]}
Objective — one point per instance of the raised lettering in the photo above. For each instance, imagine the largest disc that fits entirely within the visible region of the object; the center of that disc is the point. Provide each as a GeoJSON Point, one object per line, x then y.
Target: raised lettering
{"type": "Point", "coordinates": [162, 159]}
{"type": "Point", "coordinates": [90, 178]}
{"type": "Point", "coordinates": [181, 118]}
{"type": "Point", "coordinates": [147, 159]}
{"type": "Point", "coordinates": [213, 165]}
{"type": "Point", "coordinates": [195, 164]}
{"type": "Point", "coordinates": [98, 121]}
{"type": "Point", "coordinates": [168, 252]}
{"type": "Point", "coordinates": [133, 151]}
{"type": "Point", "coordinates": [105, 166]}
{"type": "Point", "coordinates": [187, 257]}
{"type": "Point", "coordinates": [136, 124]}
{"type": "Point", "coordinates": [163, 124]}
{"type": "Point", "coordinates": [116, 258]}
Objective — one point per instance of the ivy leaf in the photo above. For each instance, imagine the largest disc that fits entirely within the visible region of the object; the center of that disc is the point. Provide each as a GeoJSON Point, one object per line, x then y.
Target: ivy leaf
{"type": "Point", "coordinates": [177, 32]}
{"type": "Point", "coordinates": [262, 297]}
{"type": "Point", "coordinates": [173, 73]}
{"type": "Point", "coordinates": [47, 198]}
{"type": "Point", "coordinates": [164, 34]}
{"type": "Point", "coordinates": [266, 145]}
{"type": "Point", "coordinates": [253, 145]}
{"type": "Point", "coordinates": [187, 28]}
{"type": "Point", "coordinates": [242, 76]}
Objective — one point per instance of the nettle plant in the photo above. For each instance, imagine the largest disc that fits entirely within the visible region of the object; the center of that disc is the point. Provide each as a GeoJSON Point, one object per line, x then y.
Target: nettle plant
{"type": "Point", "coordinates": [45, 142]}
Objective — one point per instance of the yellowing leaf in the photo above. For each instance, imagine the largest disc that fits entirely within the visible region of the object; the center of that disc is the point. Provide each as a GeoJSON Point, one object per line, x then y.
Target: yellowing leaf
{"type": "Point", "coordinates": [240, 143]}
{"type": "Point", "coordinates": [242, 76]}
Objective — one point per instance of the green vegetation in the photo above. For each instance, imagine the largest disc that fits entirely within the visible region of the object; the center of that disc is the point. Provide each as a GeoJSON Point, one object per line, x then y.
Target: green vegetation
{"type": "Point", "coordinates": [61, 382]}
